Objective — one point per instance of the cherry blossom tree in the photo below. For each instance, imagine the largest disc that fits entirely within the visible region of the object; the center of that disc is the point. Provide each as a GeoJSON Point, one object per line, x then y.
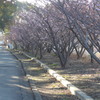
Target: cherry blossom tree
{"type": "Point", "coordinates": [83, 20]}
{"type": "Point", "coordinates": [62, 26]}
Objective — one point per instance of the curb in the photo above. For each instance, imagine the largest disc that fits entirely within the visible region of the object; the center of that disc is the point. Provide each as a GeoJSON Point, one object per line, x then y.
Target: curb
{"type": "Point", "coordinates": [74, 90]}
{"type": "Point", "coordinates": [32, 84]}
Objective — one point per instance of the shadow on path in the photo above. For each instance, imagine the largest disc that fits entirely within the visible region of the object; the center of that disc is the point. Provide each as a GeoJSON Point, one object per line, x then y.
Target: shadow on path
{"type": "Point", "coordinates": [13, 84]}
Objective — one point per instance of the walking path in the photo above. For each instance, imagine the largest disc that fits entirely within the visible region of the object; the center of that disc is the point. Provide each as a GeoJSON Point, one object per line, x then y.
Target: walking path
{"type": "Point", "coordinates": [13, 85]}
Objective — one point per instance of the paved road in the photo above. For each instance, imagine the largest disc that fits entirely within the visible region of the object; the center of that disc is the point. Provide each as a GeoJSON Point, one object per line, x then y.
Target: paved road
{"type": "Point", "coordinates": [13, 85]}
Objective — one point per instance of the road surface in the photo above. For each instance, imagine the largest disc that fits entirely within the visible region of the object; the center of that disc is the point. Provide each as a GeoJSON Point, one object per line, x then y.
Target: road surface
{"type": "Point", "coordinates": [13, 85]}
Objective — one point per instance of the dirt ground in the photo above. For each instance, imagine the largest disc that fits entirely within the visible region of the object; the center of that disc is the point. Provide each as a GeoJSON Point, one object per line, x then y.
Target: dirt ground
{"type": "Point", "coordinates": [49, 88]}
{"type": "Point", "coordinates": [80, 72]}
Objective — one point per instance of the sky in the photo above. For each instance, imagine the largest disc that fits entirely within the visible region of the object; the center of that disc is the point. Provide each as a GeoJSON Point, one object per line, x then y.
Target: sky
{"type": "Point", "coordinates": [30, 1]}
{"type": "Point", "coordinates": [40, 2]}
{"type": "Point", "coordinates": [34, 1]}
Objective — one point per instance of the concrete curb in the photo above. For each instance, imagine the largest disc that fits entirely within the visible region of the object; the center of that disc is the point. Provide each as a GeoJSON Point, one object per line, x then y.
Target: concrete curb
{"type": "Point", "coordinates": [34, 89]}
{"type": "Point", "coordinates": [74, 90]}
{"type": "Point", "coordinates": [32, 84]}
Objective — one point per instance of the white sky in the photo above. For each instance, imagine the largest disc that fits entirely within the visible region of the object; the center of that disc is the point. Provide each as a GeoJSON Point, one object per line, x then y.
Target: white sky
{"type": "Point", "coordinates": [30, 1]}
{"type": "Point", "coordinates": [39, 2]}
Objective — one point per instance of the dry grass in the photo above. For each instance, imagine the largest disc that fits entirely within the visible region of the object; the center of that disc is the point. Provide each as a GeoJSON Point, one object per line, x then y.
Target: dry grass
{"type": "Point", "coordinates": [49, 88]}
{"type": "Point", "coordinates": [80, 72]}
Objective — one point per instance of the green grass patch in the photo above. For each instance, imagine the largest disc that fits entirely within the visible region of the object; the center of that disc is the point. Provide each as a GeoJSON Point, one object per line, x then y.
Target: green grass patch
{"type": "Point", "coordinates": [54, 64]}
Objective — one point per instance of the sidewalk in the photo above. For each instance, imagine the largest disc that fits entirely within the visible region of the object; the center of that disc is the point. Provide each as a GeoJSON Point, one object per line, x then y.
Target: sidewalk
{"type": "Point", "coordinates": [13, 85]}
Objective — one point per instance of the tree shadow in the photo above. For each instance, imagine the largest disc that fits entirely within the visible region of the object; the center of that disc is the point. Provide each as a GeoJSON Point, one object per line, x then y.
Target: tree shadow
{"type": "Point", "coordinates": [13, 85]}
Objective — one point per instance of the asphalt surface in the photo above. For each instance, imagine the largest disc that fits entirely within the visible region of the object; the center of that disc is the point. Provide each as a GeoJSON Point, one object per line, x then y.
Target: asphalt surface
{"type": "Point", "coordinates": [13, 85]}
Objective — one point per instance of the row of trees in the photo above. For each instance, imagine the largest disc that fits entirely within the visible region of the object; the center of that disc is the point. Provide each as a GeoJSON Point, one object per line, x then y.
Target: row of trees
{"type": "Point", "coordinates": [62, 26]}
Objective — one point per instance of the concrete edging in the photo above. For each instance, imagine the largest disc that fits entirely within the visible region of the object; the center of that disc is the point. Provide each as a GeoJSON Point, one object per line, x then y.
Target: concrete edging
{"type": "Point", "coordinates": [32, 83]}
{"type": "Point", "coordinates": [34, 89]}
{"type": "Point", "coordinates": [74, 90]}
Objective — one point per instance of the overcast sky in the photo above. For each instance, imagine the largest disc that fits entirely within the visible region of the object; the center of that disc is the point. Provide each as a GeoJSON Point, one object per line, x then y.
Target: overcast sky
{"type": "Point", "coordinates": [40, 2]}
{"type": "Point", "coordinates": [30, 1]}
